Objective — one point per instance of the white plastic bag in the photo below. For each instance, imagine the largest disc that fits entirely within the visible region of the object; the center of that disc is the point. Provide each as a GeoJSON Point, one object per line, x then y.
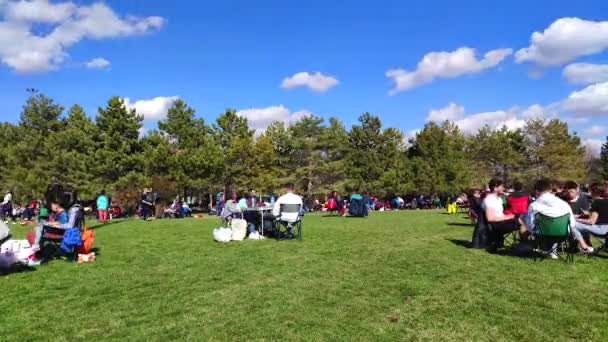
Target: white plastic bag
{"type": "Point", "coordinates": [14, 246]}
{"type": "Point", "coordinates": [222, 234]}
{"type": "Point", "coordinates": [239, 229]}
{"type": "Point", "coordinates": [255, 236]}
{"type": "Point", "coordinates": [4, 231]}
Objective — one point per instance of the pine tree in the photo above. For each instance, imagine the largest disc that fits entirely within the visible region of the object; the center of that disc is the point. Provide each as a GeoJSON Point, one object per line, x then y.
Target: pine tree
{"type": "Point", "coordinates": [72, 151]}
{"type": "Point", "coordinates": [28, 168]}
{"type": "Point", "coordinates": [553, 152]}
{"type": "Point", "coordinates": [193, 155]}
{"type": "Point", "coordinates": [235, 140]}
{"type": "Point", "coordinates": [120, 150]}
{"type": "Point", "coordinates": [438, 159]}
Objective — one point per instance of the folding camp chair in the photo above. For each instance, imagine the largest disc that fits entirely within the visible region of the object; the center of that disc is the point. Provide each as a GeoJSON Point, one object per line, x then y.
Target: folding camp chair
{"type": "Point", "coordinates": [283, 226]}
{"type": "Point", "coordinates": [509, 240]}
{"type": "Point", "coordinates": [553, 236]}
{"type": "Point", "coordinates": [51, 238]}
{"type": "Point", "coordinates": [603, 247]}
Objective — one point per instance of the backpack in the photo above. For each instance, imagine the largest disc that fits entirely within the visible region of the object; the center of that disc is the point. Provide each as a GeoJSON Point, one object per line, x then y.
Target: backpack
{"type": "Point", "coordinates": [87, 237]}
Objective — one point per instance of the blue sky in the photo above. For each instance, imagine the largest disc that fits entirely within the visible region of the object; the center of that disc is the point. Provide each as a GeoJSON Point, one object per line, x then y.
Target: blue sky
{"type": "Point", "coordinates": [236, 54]}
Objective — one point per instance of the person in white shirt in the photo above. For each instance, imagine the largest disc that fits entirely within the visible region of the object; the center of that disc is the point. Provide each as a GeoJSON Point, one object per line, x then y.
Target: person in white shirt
{"type": "Point", "coordinates": [7, 206]}
{"type": "Point", "coordinates": [289, 198]}
{"type": "Point", "coordinates": [550, 205]}
{"type": "Point", "coordinates": [501, 223]}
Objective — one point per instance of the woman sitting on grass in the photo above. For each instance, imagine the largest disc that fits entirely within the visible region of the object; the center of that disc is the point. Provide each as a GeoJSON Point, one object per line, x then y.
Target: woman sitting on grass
{"type": "Point", "coordinates": [501, 223]}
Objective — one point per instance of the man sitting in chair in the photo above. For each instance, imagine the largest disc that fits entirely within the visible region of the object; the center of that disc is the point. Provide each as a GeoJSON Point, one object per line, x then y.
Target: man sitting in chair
{"type": "Point", "coordinates": [61, 221]}
{"type": "Point", "coordinates": [289, 198]}
{"type": "Point", "coordinates": [548, 204]}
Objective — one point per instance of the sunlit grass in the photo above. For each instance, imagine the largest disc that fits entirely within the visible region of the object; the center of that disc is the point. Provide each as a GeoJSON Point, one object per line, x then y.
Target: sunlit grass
{"type": "Point", "coordinates": [392, 276]}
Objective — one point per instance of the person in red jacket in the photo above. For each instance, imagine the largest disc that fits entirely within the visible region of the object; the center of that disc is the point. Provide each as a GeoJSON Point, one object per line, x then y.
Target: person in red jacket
{"type": "Point", "coordinates": [518, 200]}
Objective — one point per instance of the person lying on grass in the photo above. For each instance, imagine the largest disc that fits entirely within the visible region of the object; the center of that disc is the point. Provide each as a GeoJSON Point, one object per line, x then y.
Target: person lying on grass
{"type": "Point", "coordinates": [548, 204]}
{"type": "Point", "coordinates": [597, 222]}
{"type": "Point", "coordinates": [502, 223]}
{"type": "Point", "coordinates": [61, 221]}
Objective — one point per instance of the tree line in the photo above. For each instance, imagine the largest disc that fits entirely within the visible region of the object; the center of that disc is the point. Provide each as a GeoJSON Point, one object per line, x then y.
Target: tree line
{"type": "Point", "coordinates": [318, 155]}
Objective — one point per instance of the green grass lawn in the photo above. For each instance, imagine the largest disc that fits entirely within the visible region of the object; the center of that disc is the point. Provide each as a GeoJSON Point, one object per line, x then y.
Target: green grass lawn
{"type": "Point", "coordinates": [168, 280]}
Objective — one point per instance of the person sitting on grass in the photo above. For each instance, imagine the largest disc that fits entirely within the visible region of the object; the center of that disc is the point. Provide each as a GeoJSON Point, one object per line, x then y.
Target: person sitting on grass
{"type": "Point", "coordinates": [501, 223]}
{"type": "Point", "coordinates": [60, 221]}
{"type": "Point", "coordinates": [597, 222]}
{"type": "Point", "coordinates": [289, 198]}
{"type": "Point", "coordinates": [548, 204]}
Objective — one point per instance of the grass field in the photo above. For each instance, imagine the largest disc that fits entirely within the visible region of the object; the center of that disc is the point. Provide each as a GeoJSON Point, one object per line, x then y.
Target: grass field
{"type": "Point", "coordinates": [392, 276]}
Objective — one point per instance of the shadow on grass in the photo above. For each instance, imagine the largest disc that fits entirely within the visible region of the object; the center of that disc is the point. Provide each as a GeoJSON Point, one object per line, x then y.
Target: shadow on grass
{"type": "Point", "coordinates": [461, 243]}
{"type": "Point", "coordinates": [17, 268]}
{"type": "Point", "coordinates": [460, 224]}
{"type": "Point", "coordinates": [103, 225]}
{"type": "Point", "coordinates": [521, 250]}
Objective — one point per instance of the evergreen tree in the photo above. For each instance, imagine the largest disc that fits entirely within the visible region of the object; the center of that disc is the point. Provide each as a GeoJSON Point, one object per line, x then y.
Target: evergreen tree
{"type": "Point", "coordinates": [438, 159]}
{"type": "Point", "coordinates": [193, 155]}
{"type": "Point", "coordinates": [553, 152]}
{"type": "Point", "coordinates": [28, 168]}
{"type": "Point", "coordinates": [235, 140]}
{"type": "Point", "coordinates": [72, 151]}
{"type": "Point", "coordinates": [120, 150]}
{"type": "Point", "coordinates": [334, 145]}
{"type": "Point", "coordinates": [496, 153]}
{"type": "Point", "coordinates": [305, 135]}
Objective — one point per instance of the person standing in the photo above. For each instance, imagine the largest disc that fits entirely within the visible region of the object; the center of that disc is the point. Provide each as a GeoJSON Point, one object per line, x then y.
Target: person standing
{"type": "Point", "coordinates": [102, 207]}
{"type": "Point", "coordinates": [7, 206]}
{"type": "Point", "coordinates": [147, 204]}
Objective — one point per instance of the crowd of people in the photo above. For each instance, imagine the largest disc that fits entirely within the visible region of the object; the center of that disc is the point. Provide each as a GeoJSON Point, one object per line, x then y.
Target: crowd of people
{"type": "Point", "coordinates": [335, 202]}
{"type": "Point", "coordinates": [516, 211]}
{"type": "Point", "coordinates": [238, 205]}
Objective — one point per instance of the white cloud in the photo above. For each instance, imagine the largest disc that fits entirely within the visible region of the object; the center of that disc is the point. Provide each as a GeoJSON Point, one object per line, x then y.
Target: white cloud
{"type": "Point", "coordinates": [596, 130]}
{"type": "Point", "coordinates": [588, 101]}
{"type": "Point", "coordinates": [260, 118]}
{"type": "Point", "coordinates": [495, 120]}
{"type": "Point", "coordinates": [316, 82]}
{"type": "Point", "coordinates": [98, 63]}
{"type": "Point", "coordinates": [470, 124]}
{"type": "Point", "coordinates": [445, 64]}
{"type": "Point", "coordinates": [152, 109]}
{"type": "Point", "coordinates": [565, 40]}
{"type": "Point", "coordinates": [586, 73]}
{"type": "Point", "coordinates": [39, 11]}
{"type": "Point", "coordinates": [593, 146]}
{"type": "Point", "coordinates": [451, 112]}
{"type": "Point", "coordinates": [537, 111]}
{"type": "Point", "coordinates": [25, 50]}
{"type": "Point", "coordinates": [410, 135]}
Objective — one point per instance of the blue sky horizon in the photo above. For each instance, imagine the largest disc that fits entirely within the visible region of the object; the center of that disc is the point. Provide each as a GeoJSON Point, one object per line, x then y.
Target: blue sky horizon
{"type": "Point", "coordinates": [407, 62]}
